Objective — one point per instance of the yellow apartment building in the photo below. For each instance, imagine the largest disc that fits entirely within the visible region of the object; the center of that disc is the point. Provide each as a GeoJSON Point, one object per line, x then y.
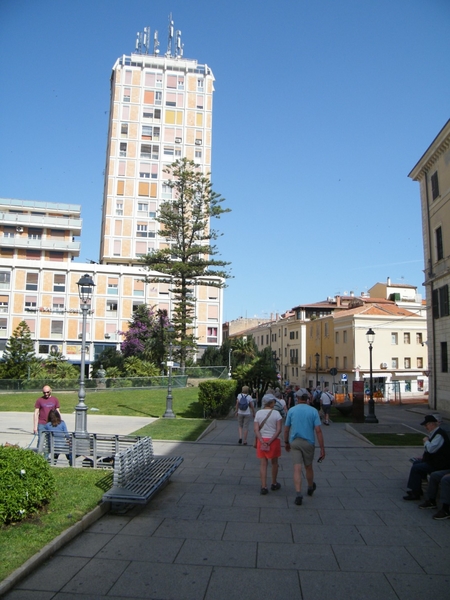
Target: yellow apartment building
{"type": "Point", "coordinates": [432, 172]}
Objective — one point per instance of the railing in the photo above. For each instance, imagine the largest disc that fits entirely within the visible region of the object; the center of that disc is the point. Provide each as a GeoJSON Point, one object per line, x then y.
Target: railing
{"type": "Point", "coordinates": [36, 385]}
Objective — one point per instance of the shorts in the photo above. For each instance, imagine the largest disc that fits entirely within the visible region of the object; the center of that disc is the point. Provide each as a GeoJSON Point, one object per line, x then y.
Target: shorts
{"type": "Point", "coordinates": [274, 452]}
{"type": "Point", "coordinates": [244, 421]}
{"type": "Point", "coordinates": [302, 452]}
{"type": "Point", "coordinates": [326, 409]}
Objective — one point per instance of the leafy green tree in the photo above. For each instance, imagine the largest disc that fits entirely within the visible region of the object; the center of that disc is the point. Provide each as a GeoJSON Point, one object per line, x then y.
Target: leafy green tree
{"type": "Point", "coordinates": [259, 374]}
{"type": "Point", "coordinates": [244, 349]}
{"type": "Point", "coordinates": [19, 354]}
{"type": "Point", "coordinates": [57, 367]}
{"type": "Point", "coordinates": [109, 358]}
{"type": "Point", "coordinates": [136, 367]}
{"type": "Point", "coordinates": [146, 335]}
{"type": "Point", "coordinates": [189, 258]}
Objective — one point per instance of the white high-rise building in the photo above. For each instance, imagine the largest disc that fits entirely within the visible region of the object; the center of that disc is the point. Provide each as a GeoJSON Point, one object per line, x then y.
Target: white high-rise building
{"type": "Point", "coordinates": [161, 110]}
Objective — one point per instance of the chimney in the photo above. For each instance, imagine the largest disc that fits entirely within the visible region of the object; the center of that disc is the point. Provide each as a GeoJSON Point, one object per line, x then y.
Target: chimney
{"type": "Point", "coordinates": [389, 281]}
{"type": "Point", "coordinates": [338, 301]}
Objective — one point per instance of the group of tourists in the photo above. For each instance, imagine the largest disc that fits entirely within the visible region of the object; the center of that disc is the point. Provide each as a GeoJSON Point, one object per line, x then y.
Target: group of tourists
{"type": "Point", "coordinates": [301, 425]}
{"type": "Point", "coordinates": [295, 417]}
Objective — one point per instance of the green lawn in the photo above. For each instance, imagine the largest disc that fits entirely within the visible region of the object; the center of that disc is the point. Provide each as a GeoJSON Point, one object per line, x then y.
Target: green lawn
{"type": "Point", "coordinates": [395, 439]}
{"type": "Point", "coordinates": [182, 430]}
{"type": "Point", "coordinates": [78, 492]}
{"type": "Point", "coordinates": [129, 402]}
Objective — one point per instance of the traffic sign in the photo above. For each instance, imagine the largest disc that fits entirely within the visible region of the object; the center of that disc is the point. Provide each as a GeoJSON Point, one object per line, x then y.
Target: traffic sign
{"type": "Point", "coordinates": [344, 377]}
{"type": "Point", "coordinates": [333, 371]}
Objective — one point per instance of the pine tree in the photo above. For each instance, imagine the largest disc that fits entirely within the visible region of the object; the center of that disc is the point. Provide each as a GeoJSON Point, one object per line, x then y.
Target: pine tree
{"type": "Point", "coordinates": [187, 261]}
{"type": "Point", "coordinates": [19, 353]}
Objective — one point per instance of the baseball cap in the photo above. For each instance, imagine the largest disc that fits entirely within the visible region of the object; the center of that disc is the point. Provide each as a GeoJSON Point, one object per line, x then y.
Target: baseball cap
{"type": "Point", "coordinates": [429, 419]}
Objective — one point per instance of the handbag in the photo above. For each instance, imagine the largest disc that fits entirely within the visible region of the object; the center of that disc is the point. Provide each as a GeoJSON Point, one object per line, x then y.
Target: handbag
{"type": "Point", "coordinates": [261, 425]}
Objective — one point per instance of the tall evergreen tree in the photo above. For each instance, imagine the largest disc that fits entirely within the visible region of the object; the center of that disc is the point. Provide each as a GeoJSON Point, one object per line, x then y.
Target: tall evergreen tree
{"type": "Point", "coordinates": [19, 353]}
{"type": "Point", "coordinates": [188, 260]}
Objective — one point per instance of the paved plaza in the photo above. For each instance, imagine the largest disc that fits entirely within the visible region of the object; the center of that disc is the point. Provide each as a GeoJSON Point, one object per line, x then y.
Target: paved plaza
{"type": "Point", "coordinates": [210, 535]}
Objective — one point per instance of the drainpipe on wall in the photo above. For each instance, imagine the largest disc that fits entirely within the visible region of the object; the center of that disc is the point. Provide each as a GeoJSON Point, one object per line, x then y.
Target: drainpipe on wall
{"type": "Point", "coordinates": [430, 275]}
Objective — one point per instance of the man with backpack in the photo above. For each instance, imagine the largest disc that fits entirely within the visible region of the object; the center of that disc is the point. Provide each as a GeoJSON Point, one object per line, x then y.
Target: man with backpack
{"type": "Point", "coordinates": [244, 412]}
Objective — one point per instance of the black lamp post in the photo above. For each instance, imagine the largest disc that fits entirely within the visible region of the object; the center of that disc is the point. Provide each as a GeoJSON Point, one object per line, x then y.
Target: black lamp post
{"type": "Point", "coordinates": [317, 357]}
{"type": "Point", "coordinates": [229, 362]}
{"type": "Point", "coordinates": [169, 414]}
{"type": "Point", "coordinates": [371, 418]}
{"type": "Point", "coordinates": [85, 289]}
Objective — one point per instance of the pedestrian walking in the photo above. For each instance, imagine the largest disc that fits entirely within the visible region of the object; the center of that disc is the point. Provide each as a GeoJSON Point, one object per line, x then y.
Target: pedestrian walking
{"type": "Point", "coordinates": [326, 400]}
{"type": "Point", "coordinates": [244, 412]}
{"type": "Point", "coordinates": [267, 428]}
{"type": "Point", "coordinates": [302, 425]}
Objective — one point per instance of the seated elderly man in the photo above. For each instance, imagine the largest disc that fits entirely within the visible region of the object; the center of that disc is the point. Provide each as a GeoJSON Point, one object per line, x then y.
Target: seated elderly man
{"type": "Point", "coordinates": [435, 458]}
{"type": "Point", "coordinates": [436, 478]}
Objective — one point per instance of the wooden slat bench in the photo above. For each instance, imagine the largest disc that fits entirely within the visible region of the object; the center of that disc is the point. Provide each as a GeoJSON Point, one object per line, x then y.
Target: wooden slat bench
{"type": "Point", "coordinates": [138, 475]}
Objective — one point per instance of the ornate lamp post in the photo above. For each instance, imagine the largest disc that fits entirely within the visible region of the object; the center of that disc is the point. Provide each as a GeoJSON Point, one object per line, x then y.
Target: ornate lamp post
{"type": "Point", "coordinates": [169, 414]}
{"type": "Point", "coordinates": [371, 418]}
{"type": "Point", "coordinates": [317, 357]}
{"type": "Point", "coordinates": [229, 362]}
{"type": "Point", "coordinates": [85, 289]}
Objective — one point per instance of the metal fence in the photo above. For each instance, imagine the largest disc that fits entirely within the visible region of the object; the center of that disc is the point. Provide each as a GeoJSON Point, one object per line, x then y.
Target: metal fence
{"type": "Point", "coordinates": [36, 385]}
{"type": "Point", "coordinates": [179, 380]}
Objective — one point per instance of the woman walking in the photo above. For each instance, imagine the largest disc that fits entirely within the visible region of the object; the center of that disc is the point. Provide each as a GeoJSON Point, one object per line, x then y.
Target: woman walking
{"type": "Point", "coordinates": [267, 428]}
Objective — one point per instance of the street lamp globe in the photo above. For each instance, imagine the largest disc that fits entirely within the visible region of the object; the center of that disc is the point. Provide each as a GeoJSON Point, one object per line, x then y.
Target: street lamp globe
{"type": "Point", "coordinates": [85, 288]}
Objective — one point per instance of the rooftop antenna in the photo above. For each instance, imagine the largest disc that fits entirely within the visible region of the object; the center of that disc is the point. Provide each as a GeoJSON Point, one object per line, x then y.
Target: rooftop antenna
{"type": "Point", "coordinates": [179, 45]}
{"type": "Point", "coordinates": [138, 43]}
{"type": "Point", "coordinates": [146, 41]}
{"type": "Point", "coordinates": [155, 43]}
{"type": "Point", "coordinates": [170, 37]}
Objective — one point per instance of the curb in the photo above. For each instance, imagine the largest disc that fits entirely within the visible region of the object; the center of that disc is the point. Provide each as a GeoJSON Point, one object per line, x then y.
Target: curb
{"type": "Point", "coordinates": [356, 433]}
{"type": "Point", "coordinates": [61, 540]}
{"type": "Point", "coordinates": [210, 427]}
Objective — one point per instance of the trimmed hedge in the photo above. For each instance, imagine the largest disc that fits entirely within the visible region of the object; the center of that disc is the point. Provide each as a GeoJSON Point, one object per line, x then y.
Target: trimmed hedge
{"type": "Point", "coordinates": [26, 483]}
{"type": "Point", "coordinates": [217, 396]}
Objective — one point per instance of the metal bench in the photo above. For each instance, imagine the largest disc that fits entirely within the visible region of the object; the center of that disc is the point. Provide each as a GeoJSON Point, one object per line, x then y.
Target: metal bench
{"type": "Point", "coordinates": [97, 449]}
{"type": "Point", "coordinates": [138, 475]}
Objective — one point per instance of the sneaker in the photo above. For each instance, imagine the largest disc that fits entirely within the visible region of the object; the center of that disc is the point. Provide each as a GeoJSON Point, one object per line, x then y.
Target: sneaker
{"type": "Point", "coordinates": [441, 515]}
{"type": "Point", "coordinates": [410, 496]}
{"type": "Point", "coordinates": [239, 441]}
{"type": "Point", "coordinates": [312, 489]}
{"type": "Point", "coordinates": [264, 491]}
{"type": "Point", "coordinates": [298, 500]}
{"type": "Point", "coordinates": [275, 486]}
{"type": "Point", "coordinates": [428, 504]}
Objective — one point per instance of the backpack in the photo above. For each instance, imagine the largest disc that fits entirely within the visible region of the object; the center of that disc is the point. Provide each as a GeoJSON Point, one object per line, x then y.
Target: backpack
{"type": "Point", "coordinates": [243, 402]}
{"type": "Point", "coordinates": [280, 408]}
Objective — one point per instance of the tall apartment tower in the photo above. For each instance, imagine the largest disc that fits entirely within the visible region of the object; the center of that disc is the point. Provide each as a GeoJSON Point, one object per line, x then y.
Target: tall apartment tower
{"type": "Point", "coordinates": [161, 110]}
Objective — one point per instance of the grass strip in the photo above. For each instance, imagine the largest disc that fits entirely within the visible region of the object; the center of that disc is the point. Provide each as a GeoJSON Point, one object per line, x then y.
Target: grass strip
{"type": "Point", "coordinates": [78, 492]}
{"type": "Point", "coordinates": [128, 403]}
{"type": "Point", "coordinates": [395, 439]}
{"type": "Point", "coordinates": [181, 430]}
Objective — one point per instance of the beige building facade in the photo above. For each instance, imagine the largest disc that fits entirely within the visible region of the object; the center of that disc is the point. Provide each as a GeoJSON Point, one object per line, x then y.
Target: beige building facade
{"type": "Point", "coordinates": [433, 174]}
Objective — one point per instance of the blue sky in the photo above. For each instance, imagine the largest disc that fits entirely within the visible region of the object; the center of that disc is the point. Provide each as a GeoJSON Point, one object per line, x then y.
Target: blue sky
{"type": "Point", "coordinates": [321, 110]}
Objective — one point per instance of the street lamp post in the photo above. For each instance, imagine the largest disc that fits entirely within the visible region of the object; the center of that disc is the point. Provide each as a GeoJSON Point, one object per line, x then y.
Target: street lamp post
{"type": "Point", "coordinates": [169, 414]}
{"type": "Point", "coordinates": [317, 357]}
{"type": "Point", "coordinates": [85, 289]}
{"type": "Point", "coordinates": [371, 418]}
{"type": "Point", "coordinates": [229, 362]}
